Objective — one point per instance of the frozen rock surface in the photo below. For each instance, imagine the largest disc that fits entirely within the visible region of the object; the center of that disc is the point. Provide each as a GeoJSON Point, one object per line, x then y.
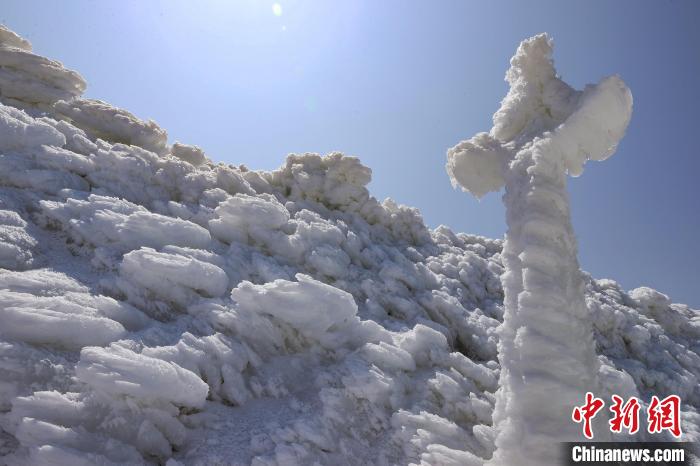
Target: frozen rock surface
{"type": "Point", "coordinates": [157, 307]}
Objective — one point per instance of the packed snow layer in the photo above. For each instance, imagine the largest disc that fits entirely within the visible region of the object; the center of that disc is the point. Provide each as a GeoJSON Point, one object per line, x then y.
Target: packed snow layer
{"type": "Point", "coordinates": [157, 307]}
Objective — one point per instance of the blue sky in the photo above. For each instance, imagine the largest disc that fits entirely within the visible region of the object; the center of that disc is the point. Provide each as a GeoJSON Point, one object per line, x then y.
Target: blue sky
{"type": "Point", "coordinates": [398, 82]}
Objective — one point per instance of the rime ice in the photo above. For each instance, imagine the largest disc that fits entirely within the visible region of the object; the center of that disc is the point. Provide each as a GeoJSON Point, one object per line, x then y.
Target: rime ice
{"type": "Point", "coordinates": [157, 307]}
{"type": "Point", "coordinates": [543, 130]}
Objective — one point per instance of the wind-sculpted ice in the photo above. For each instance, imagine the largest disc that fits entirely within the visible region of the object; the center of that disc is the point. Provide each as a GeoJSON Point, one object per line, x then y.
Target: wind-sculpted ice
{"type": "Point", "coordinates": [29, 79]}
{"type": "Point", "coordinates": [157, 307]}
{"type": "Point", "coordinates": [112, 124]}
{"type": "Point", "coordinates": [543, 131]}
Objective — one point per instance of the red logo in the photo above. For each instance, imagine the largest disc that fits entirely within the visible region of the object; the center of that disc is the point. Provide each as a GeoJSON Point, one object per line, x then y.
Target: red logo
{"type": "Point", "coordinates": [661, 415]}
{"type": "Point", "coordinates": [587, 412]}
{"type": "Point", "coordinates": [626, 415]}
{"type": "Point", "coordinates": [665, 415]}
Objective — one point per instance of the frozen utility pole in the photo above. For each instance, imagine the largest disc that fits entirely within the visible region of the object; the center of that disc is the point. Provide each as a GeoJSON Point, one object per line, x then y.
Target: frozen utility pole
{"type": "Point", "coordinates": [543, 131]}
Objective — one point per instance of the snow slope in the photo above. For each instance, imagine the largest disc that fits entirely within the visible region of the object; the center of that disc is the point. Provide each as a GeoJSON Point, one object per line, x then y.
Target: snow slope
{"type": "Point", "coordinates": [157, 307]}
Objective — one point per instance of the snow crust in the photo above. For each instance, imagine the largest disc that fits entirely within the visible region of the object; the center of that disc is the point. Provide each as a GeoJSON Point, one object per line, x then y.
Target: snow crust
{"type": "Point", "coordinates": [157, 307]}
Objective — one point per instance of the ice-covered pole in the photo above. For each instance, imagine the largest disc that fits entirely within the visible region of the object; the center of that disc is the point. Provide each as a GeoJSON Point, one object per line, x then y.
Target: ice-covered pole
{"type": "Point", "coordinates": [543, 131]}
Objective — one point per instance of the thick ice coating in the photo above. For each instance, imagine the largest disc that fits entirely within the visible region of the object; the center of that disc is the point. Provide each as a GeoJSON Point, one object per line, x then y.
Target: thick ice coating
{"type": "Point", "coordinates": [30, 78]}
{"type": "Point", "coordinates": [543, 131]}
{"type": "Point", "coordinates": [112, 124]}
{"type": "Point", "coordinates": [159, 308]}
{"type": "Point", "coordinates": [477, 165]}
{"type": "Point", "coordinates": [582, 125]}
{"type": "Point", "coordinates": [119, 371]}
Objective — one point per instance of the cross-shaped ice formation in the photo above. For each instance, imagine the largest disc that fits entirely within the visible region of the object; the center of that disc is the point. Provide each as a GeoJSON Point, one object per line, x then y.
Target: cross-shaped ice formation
{"type": "Point", "coordinates": [543, 131]}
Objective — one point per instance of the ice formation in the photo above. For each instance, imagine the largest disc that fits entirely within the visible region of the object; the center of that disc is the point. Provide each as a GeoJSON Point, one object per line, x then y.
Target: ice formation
{"type": "Point", "coordinates": [543, 131]}
{"type": "Point", "coordinates": [160, 308]}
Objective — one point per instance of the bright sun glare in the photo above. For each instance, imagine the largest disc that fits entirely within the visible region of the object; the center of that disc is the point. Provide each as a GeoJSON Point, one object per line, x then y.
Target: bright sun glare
{"type": "Point", "coordinates": [277, 9]}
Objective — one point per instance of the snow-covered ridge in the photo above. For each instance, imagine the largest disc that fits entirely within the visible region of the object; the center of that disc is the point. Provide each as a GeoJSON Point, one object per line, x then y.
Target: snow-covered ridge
{"type": "Point", "coordinates": [157, 306]}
